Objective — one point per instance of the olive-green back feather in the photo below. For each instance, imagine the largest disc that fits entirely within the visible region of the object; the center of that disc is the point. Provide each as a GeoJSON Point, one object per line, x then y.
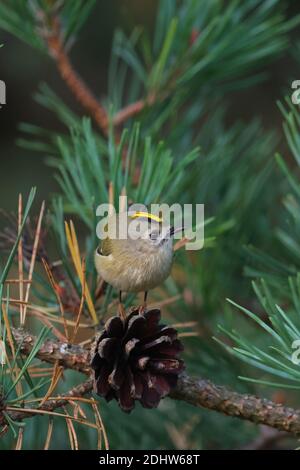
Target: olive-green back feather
{"type": "Point", "coordinates": [106, 247]}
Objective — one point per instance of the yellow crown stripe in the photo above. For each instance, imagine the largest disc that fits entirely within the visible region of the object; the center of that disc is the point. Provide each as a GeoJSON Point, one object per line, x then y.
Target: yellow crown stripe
{"type": "Point", "coordinates": [146, 215]}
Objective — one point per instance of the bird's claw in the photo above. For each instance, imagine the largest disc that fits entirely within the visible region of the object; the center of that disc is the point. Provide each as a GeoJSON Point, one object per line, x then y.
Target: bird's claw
{"type": "Point", "coordinates": [122, 311]}
{"type": "Point", "coordinates": [142, 308]}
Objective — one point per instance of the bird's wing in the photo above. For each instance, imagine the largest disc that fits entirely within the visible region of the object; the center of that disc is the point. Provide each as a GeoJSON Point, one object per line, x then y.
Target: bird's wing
{"type": "Point", "coordinates": [105, 247]}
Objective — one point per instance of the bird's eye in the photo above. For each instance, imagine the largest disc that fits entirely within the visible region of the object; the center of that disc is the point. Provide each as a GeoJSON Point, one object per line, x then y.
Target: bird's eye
{"type": "Point", "coordinates": [99, 251]}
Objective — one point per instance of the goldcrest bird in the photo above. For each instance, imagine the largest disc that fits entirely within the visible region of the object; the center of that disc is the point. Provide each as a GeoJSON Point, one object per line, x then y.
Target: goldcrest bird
{"type": "Point", "coordinates": [136, 265]}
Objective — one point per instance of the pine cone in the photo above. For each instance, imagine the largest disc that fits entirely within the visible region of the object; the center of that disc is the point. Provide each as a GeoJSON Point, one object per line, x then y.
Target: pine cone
{"type": "Point", "coordinates": [136, 359]}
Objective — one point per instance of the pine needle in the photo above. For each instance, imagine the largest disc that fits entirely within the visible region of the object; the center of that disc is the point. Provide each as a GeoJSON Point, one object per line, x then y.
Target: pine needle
{"type": "Point", "coordinates": [72, 434]}
{"type": "Point", "coordinates": [111, 197]}
{"type": "Point", "coordinates": [20, 439]}
{"type": "Point", "coordinates": [14, 372]}
{"type": "Point", "coordinates": [75, 254]}
{"type": "Point", "coordinates": [50, 413]}
{"type": "Point", "coordinates": [165, 302]}
{"type": "Point", "coordinates": [4, 430]}
{"type": "Point", "coordinates": [20, 257]}
{"type": "Point", "coordinates": [77, 323]}
{"type": "Point", "coordinates": [36, 311]}
{"type": "Point", "coordinates": [32, 261]}
{"type": "Point", "coordinates": [123, 194]}
{"type": "Point", "coordinates": [77, 409]}
{"type": "Point", "coordinates": [49, 433]}
{"type": "Point", "coordinates": [188, 334]}
{"type": "Point", "coordinates": [55, 288]}
{"type": "Point", "coordinates": [14, 301]}
{"type": "Point", "coordinates": [2, 353]}
{"type": "Point", "coordinates": [48, 323]}
{"type": "Point", "coordinates": [56, 376]}
{"type": "Point", "coordinates": [187, 324]}
{"type": "Point", "coordinates": [8, 331]}
{"type": "Point", "coordinates": [100, 425]}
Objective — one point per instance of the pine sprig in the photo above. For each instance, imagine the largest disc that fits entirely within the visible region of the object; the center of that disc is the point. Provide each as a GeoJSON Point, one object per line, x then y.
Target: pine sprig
{"type": "Point", "coordinates": [280, 284]}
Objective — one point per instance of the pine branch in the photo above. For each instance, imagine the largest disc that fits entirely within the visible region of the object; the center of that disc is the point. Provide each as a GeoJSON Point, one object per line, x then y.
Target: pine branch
{"type": "Point", "coordinates": [129, 111]}
{"type": "Point", "coordinates": [203, 393]}
{"type": "Point", "coordinates": [133, 109]}
{"type": "Point", "coordinates": [75, 83]}
{"type": "Point", "coordinates": [81, 91]}
{"type": "Point", "coordinates": [196, 391]}
{"type": "Point", "coordinates": [70, 356]}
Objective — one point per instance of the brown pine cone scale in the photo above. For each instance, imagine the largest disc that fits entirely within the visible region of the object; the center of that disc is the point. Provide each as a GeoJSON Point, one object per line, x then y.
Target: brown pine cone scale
{"type": "Point", "coordinates": [136, 359]}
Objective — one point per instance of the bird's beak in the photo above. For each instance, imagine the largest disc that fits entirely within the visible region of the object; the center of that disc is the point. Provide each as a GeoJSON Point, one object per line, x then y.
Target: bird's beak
{"type": "Point", "coordinates": [174, 230]}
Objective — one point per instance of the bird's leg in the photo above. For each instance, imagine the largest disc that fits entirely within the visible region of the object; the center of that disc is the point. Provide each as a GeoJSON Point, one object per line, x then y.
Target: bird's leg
{"type": "Point", "coordinates": [122, 312]}
{"type": "Point", "coordinates": [144, 304]}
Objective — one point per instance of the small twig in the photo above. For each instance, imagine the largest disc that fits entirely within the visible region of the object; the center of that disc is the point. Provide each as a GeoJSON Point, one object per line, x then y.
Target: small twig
{"type": "Point", "coordinates": [75, 83]}
{"type": "Point", "coordinates": [78, 87]}
{"type": "Point", "coordinates": [128, 112]}
{"type": "Point", "coordinates": [133, 109]}
{"type": "Point", "coordinates": [50, 405]}
{"type": "Point", "coordinates": [180, 243]}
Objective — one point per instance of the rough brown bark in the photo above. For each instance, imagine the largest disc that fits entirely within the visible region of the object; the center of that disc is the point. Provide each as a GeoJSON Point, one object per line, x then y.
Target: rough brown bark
{"type": "Point", "coordinates": [69, 356]}
{"type": "Point", "coordinates": [203, 393]}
